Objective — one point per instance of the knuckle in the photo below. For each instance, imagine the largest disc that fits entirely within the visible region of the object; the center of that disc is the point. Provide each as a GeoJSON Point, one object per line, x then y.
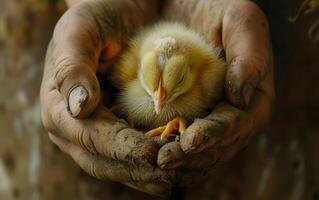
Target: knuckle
{"type": "Point", "coordinates": [93, 170]}
{"type": "Point", "coordinates": [92, 165]}
{"type": "Point", "coordinates": [83, 138]}
{"type": "Point", "coordinates": [65, 66]}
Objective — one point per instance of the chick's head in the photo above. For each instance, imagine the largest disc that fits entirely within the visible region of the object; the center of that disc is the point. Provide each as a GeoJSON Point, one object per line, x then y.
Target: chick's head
{"type": "Point", "coordinates": [165, 72]}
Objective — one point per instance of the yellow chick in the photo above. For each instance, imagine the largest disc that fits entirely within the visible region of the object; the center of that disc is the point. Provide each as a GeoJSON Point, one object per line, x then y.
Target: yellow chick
{"type": "Point", "coordinates": [168, 77]}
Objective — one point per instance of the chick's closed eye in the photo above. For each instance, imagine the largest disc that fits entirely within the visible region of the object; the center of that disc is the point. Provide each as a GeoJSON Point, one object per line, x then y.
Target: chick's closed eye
{"type": "Point", "coordinates": [175, 73]}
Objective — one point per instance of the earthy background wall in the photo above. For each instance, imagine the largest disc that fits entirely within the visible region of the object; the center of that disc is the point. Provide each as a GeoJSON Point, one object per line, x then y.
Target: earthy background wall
{"type": "Point", "coordinates": [280, 163]}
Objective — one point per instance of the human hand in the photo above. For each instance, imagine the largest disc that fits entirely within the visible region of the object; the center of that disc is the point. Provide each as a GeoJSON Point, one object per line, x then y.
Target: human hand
{"type": "Point", "coordinates": [240, 28]}
{"type": "Point", "coordinates": [85, 40]}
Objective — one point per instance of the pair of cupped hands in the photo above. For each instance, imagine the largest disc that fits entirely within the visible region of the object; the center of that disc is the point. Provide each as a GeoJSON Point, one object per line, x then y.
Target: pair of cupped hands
{"type": "Point", "coordinates": [87, 39]}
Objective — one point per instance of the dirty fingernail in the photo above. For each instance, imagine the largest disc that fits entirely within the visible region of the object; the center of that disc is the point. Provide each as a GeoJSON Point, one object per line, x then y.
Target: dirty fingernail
{"type": "Point", "coordinates": [77, 100]}
{"type": "Point", "coordinates": [247, 94]}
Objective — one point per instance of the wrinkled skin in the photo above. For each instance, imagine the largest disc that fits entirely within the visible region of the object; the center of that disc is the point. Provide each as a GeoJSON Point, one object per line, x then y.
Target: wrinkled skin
{"type": "Point", "coordinates": [240, 28]}
{"type": "Point", "coordinates": [87, 39]}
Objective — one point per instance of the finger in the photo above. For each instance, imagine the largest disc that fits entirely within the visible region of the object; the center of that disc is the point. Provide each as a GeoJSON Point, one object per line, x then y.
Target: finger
{"type": "Point", "coordinates": [73, 63]}
{"type": "Point", "coordinates": [225, 125]}
{"type": "Point", "coordinates": [106, 168]}
{"type": "Point", "coordinates": [171, 156]}
{"type": "Point", "coordinates": [248, 51]}
{"type": "Point", "coordinates": [102, 133]}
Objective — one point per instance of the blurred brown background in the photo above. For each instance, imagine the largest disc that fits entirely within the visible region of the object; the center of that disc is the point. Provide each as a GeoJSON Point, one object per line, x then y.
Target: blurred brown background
{"type": "Point", "coordinates": [280, 163]}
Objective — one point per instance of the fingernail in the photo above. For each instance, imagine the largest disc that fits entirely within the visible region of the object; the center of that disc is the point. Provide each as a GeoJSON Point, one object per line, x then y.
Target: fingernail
{"type": "Point", "coordinates": [247, 93]}
{"type": "Point", "coordinates": [77, 100]}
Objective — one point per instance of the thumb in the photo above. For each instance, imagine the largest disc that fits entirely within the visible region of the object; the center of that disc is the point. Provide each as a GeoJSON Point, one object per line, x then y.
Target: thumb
{"type": "Point", "coordinates": [248, 51]}
{"type": "Point", "coordinates": [74, 54]}
{"type": "Point", "coordinates": [80, 89]}
{"type": "Point", "coordinates": [242, 78]}
{"type": "Point", "coordinates": [73, 59]}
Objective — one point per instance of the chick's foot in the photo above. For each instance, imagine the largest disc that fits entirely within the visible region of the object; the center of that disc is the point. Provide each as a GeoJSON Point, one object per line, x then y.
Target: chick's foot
{"type": "Point", "coordinates": [177, 125]}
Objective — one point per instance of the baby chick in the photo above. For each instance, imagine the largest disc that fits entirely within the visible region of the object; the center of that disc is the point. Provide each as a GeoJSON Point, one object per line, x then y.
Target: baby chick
{"type": "Point", "coordinates": [168, 77]}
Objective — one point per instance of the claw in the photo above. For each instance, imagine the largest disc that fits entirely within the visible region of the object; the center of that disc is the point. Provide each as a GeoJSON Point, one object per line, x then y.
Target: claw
{"type": "Point", "coordinates": [182, 126]}
{"type": "Point", "coordinates": [170, 128]}
{"type": "Point", "coordinates": [155, 132]}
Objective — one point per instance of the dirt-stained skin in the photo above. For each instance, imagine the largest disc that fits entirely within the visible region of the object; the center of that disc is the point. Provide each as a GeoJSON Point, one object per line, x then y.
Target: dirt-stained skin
{"type": "Point", "coordinates": [89, 32]}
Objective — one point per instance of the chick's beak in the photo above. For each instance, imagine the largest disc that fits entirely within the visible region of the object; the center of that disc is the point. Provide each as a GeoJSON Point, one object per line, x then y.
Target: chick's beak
{"type": "Point", "coordinates": [159, 99]}
{"type": "Point", "coordinates": [159, 104]}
